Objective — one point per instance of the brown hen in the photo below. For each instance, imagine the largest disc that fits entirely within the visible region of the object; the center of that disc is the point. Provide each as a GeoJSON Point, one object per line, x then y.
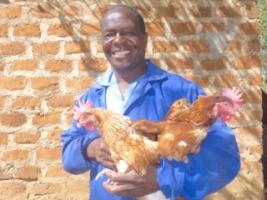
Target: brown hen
{"type": "Point", "coordinates": [186, 125]}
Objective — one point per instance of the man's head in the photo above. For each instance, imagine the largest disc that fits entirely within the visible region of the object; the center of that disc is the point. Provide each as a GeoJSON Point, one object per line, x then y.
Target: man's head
{"type": "Point", "coordinates": [124, 38]}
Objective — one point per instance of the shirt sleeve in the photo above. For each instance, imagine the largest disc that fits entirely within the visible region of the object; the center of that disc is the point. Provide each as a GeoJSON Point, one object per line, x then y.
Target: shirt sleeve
{"type": "Point", "coordinates": [216, 164]}
{"type": "Point", "coordinates": [75, 141]}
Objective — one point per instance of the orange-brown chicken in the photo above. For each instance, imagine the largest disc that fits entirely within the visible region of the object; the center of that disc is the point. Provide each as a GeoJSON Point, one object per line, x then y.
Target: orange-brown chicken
{"type": "Point", "coordinates": [179, 134]}
{"type": "Point", "coordinates": [185, 125]}
{"type": "Point", "coordinates": [128, 150]}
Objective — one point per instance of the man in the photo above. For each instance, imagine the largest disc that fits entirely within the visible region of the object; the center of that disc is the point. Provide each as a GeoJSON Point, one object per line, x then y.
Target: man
{"type": "Point", "coordinates": [137, 88]}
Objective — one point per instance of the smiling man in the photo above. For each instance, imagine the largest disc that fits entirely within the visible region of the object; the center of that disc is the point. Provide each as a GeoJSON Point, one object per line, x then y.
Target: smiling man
{"type": "Point", "coordinates": [137, 88]}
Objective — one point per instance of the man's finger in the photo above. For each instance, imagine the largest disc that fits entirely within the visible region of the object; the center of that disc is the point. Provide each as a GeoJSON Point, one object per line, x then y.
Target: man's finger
{"type": "Point", "coordinates": [119, 189]}
{"type": "Point", "coordinates": [118, 177]}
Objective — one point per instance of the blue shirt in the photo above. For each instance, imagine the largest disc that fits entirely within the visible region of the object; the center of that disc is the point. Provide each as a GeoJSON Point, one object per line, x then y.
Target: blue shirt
{"type": "Point", "coordinates": [216, 164]}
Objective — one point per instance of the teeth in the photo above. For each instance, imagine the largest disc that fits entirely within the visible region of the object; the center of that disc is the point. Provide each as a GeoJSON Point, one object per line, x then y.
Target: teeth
{"type": "Point", "coordinates": [121, 52]}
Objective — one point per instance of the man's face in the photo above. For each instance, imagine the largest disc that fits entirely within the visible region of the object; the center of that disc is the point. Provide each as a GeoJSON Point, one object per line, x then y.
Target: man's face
{"type": "Point", "coordinates": [124, 43]}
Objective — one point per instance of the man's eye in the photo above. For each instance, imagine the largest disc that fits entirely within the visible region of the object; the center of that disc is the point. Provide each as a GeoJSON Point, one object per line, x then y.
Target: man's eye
{"type": "Point", "coordinates": [109, 35]}
{"type": "Point", "coordinates": [128, 33]}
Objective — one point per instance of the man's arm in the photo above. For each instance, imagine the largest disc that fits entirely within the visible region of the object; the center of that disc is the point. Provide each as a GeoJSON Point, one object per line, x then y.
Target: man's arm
{"type": "Point", "coordinates": [74, 151]}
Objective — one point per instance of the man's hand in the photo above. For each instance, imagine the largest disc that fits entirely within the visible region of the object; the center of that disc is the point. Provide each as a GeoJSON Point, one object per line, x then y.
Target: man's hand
{"type": "Point", "coordinates": [131, 184]}
{"type": "Point", "coordinates": [99, 150]}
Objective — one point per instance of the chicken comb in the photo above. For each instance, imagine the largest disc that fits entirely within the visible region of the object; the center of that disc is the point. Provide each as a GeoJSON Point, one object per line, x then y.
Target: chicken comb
{"type": "Point", "coordinates": [235, 95]}
{"type": "Point", "coordinates": [81, 107]}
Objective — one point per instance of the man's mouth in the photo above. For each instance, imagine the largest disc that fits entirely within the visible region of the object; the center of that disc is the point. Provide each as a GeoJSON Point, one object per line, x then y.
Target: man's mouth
{"type": "Point", "coordinates": [120, 53]}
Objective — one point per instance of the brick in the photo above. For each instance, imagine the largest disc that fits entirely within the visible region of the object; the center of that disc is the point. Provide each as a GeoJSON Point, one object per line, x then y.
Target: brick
{"type": "Point", "coordinates": [54, 134]}
{"type": "Point", "coordinates": [162, 11]}
{"type": "Point", "coordinates": [2, 66]}
{"type": "Point", "coordinates": [251, 28]}
{"type": "Point", "coordinates": [44, 83]}
{"type": "Point", "coordinates": [96, 12]}
{"type": "Point", "coordinates": [252, 96]}
{"type": "Point", "coordinates": [56, 171]}
{"type": "Point", "coordinates": [18, 154]}
{"type": "Point", "coordinates": [48, 153]}
{"type": "Point", "coordinates": [27, 173]}
{"type": "Point", "coordinates": [3, 175]}
{"type": "Point", "coordinates": [73, 11]}
{"type": "Point", "coordinates": [13, 48]}
{"type": "Point", "coordinates": [42, 11]}
{"type": "Point", "coordinates": [28, 30]}
{"type": "Point", "coordinates": [12, 119]}
{"type": "Point", "coordinates": [78, 187]}
{"type": "Point", "coordinates": [214, 64]}
{"type": "Point", "coordinates": [3, 30]}
{"type": "Point", "coordinates": [10, 11]}
{"type": "Point", "coordinates": [2, 101]}
{"type": "Point", "coordinates": [12, 83]}
{"type": "Point", "coordinates": [48, 119]}
{"type": "Point", "coordinates": [225, 80]}
{"type": "Point", "coordinates": [162, 46]}
{"type": "Point", "coordinates": [40, 189]}
{"type": "Point", "coordinates": [156, 61]}
{"type": "Point", "coordinates": [212, 26]}
{"type": "Point", "coordinates": [94, 64]}
{"type": "Point", "coordinates": [203, 81]}
{"type": "Point", "coordinates": [60, 30]}
{"type": "Point", "coordinates": [69, 118]}
{"type": "Point", "coordinates": [58, 65]}
{"type": "Point", "coordinates": [250, 135]}
{"type": "Point", "coordinates": [227, 11]}
{"type": "Point", "coordinates": [251, 166]}
{"type": "Point", "coordinates": [245, 117]}
{"type": "Point", "coordinates": [185, 28]}
{"type": "Point", "coordinates": [3, 138]}
{"type": "Point", "coordinates": [253, 45]}
{"type": "Point", "coordinates": [77, 47]}
{"type": "Point", "coordinates": [61, 101]}
{"type": "Point", "coordinates": [13, 190]}
{"type": "Point", "coordinates": [143, 10]}
{"type": "Point", "coordinates": [175, 63]}
{"type": "Point", "coordinates": [26, 138]}
{"type": "Point", "coordinates": [79, 82]}
{"type": "Point", "coordinates": [26, 102]}
{"type": "Point", "coordinates": [200, 11]}
{"type": "Point", "coordinates": [27, 65]}
{"type": "Point", "coordinates": [155, 28]}
{"type": "Point", "coordinates": [234, 46]}
{"type": "Point", "coordinates": [196, 46]}
{"type": "Point", "coordinates": [252, 11]}
{"type": "Point", "coordinates": [256, 150]}
{"type": "Point", "coordinates": [247, 62]}
{"type": "Point", "coordinates": [254, 79]}
{"type": "Point", "coordinates": [46, 48]}
{"type": "Point", "coordinates": [90, 29]}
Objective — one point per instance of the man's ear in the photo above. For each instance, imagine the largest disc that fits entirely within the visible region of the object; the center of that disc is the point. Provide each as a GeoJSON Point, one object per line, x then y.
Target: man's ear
{"type": "Point", "coordinates": [145, 38]}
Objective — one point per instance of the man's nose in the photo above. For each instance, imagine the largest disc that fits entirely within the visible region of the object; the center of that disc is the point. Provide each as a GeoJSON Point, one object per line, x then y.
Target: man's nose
{"type": "Point", "coordinates": [119, 37]}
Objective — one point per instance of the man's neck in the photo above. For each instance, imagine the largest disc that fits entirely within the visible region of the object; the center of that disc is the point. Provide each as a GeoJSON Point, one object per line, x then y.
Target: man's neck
{"type": "Point", "coordinates": [124, 78]}
{"type": "Point", "coordinates": [129, 76]}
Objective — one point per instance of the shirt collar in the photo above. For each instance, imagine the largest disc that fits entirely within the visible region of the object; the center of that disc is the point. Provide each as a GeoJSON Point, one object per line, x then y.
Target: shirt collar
{"type": "Point", "coordinates": [153, 73]}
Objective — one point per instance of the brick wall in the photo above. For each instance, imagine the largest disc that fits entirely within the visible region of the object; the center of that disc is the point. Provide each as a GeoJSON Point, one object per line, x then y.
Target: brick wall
{"type": "Point", "coordinates": [50, 53]}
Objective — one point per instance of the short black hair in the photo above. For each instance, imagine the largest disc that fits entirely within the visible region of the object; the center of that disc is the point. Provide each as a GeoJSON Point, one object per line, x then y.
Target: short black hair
{"type": "Point", "coordinates": [136, 16]}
